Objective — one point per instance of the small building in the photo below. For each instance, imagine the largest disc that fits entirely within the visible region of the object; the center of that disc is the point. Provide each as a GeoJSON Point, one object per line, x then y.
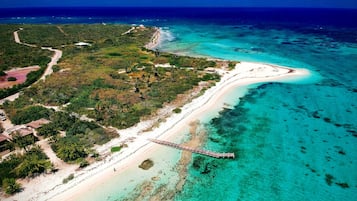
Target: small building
{"type": "Point", "coordinates": [38, 123]}
{"type": "Point", "coordinates": [81, 44]}
{"type": "Point", "coordinates": [24, 132]}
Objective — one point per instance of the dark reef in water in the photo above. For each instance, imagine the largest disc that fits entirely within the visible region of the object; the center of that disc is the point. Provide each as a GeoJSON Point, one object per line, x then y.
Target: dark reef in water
{"type": "Point", "coordinates": [330, 83]}
{"type": "Point", "coordinates": [204, 165]}
{"type": "Point", "coordinates": [146, 164]}
{"type": "Point", "coordinates": [331, 180]}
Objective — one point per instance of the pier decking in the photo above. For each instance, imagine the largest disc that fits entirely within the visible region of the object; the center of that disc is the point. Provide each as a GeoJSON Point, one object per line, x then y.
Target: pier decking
{"type": "Point", "coordinates": [193, 150]}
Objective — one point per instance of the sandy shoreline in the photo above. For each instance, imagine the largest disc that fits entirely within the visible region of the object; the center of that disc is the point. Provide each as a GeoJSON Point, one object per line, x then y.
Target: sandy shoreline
{"type": "Point", "coordinates": [139, 148]}
{"type": "Point", "coordinates": [155, 40]}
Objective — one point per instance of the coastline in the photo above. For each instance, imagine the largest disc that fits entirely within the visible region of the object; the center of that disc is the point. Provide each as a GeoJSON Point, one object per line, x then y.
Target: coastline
{"type": "Point", "coordinates": [140, 148]}
{"type": "Point", "coordinates": [155, 39]}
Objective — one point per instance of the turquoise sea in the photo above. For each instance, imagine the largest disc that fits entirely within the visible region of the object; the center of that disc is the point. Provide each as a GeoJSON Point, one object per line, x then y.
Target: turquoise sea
{"type": "Point", "coordinates": [293, 141]}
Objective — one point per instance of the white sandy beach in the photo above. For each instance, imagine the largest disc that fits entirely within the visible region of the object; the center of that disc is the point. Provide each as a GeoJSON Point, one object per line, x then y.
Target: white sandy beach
{"type": "Point", "coordinates": [155, 39]}
{"type": "Point", "coordinates": [50, 187]}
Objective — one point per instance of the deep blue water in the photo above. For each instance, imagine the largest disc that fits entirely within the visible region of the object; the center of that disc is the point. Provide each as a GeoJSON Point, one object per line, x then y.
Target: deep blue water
{"type": "Point", "coordinates": [288, 16]}
{"type": "Point", "coordinates": [293, 141]}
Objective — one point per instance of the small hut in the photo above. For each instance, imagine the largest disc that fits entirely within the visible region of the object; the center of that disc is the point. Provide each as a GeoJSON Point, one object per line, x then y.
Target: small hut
{"type": "Point", "coordinates": [38, 123]}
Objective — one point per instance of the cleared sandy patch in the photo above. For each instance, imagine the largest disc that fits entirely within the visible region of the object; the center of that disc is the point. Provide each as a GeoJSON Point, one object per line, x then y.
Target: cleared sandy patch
{"type": "Point", "coordinates": [19, 73]}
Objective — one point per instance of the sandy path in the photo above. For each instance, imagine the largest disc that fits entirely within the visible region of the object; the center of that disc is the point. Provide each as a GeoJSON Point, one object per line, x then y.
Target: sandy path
{"type": "Point", "coordinates": [57, 162]}
{"type": "Point", "coordinates": [54, 59]}
{"type": "Point", "coordinates": [61, 30]}
{"type": "Point", "coordinates": [127, 32]}
{"type": "Point", "coordinates": [17, 39]}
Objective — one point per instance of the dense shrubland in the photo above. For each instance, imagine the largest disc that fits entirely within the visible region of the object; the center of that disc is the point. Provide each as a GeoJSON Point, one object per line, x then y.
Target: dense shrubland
{"type": "Point", "coordinates": [114, 82]}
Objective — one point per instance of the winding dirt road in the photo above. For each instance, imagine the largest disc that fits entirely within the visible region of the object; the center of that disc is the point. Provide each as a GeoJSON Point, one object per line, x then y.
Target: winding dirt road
{"type": "Point", "coordinates": [54, 59]}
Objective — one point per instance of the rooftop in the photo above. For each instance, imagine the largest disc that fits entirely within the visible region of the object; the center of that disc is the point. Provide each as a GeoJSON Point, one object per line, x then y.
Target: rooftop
{"type": "Point", "coordinates": [3, 138]}
{"type": "Point", "coordinates": [38, 123]}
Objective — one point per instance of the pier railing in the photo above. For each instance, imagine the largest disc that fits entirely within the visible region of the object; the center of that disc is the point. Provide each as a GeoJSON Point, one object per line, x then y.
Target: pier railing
{"type": "Point", "coordinates": [193, 150]}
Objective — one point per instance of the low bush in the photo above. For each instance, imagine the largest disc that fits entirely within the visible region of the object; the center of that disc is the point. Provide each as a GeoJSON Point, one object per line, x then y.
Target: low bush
{"type": "Point", "coordinates": [69, 178]}
{"type": "Point", "coordinates": [177, 110]}
{"type": "Point", "coordinates": [11, 79]}
{"type": "Point", "coordinates": [115, 149]}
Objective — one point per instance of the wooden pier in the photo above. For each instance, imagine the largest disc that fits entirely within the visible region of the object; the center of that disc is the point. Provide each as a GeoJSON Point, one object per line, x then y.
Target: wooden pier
{"type": "Point", "coordinates": [198, 151]}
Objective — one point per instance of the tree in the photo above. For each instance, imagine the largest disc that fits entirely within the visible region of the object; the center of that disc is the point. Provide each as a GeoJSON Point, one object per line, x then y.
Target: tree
{"type": "Point", "coordinates": [30, 113]}
{"type": "Point", "coordinates": [11, 79]}
{"type": "Point", "coordinates": [32, 165]}
{"type": "Point", "coordinates": [23, 141]}
{"type": "Point", "coordinates": [2, 73]}
{"type": "Point", "coordinates": [10, 186]}
{"type": "Point", "coordinates": [62, 120]}
{"type": "Point", "coordinates": [48, 130]}
{"type": "Point", "coordinates": [69, 148]}
{"type": "Point", "coordinates": [71, 152]}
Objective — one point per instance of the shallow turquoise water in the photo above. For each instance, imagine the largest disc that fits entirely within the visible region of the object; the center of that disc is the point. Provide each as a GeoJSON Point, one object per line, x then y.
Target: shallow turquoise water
{"type": "Point", "coordinates": [293, 141]}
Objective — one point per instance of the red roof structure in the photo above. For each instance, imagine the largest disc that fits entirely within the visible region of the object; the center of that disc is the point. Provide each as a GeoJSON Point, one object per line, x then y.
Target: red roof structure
{"type": "Point", "coordinates": [3, 138]}
{"type": "Point", "coordinates": [38, 123]}
{"type": "Point", "coordinates": [24, 132]}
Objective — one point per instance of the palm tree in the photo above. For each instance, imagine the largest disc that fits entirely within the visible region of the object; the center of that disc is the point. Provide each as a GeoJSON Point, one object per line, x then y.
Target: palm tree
{"type": "Point", "coordinates": [22, 141]}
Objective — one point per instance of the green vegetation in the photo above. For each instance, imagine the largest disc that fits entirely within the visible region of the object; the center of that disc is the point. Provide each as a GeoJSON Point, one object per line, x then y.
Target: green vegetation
{"type": "Point", "coordinates": [80, 135]}
{"type": "Point", "coordinates": [83, 163]}
{"type": "Point", "coordinates": [48, 130]}
{"type": "Point", "coordinates": [10, 186]}
{"type": "Point", "coordinates": [232, 64]}
{"type": "Point", "coordinates": [177, 110]}
{"type": "Point", "coordinates": [30, 164]}
{"type": "Point", "coordinates": [28, 114]}
{"type": "Point", "coordinates": [17, 55]}
{"type": "Point", "coordinates": [97, 34]}
{"type": "Point", "coordinates": [212, 76]}
{"type": "Point", "coordinates": [69, 178]}
{"type": "Point", "coordinates": [56, 68]}
{"type": "Point", "coordinates": [70, 148]}
{"type": "Point", "coordinates": [114, 82]}
{"type": "Point", "coordinates": [2, 73]}
{"type": "Point", "coordinates": [116, 149]}
{"type": "Point", "coordinates": [121, 81]}
{"type": "Point", "coordinates": [23, 141]}
{"type": "Point", "coordinates": [11, 79]}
